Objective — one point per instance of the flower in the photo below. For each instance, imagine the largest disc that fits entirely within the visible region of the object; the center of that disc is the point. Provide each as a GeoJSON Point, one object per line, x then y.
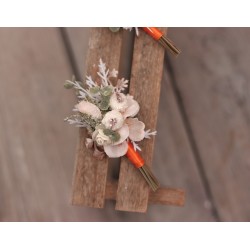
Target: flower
{"type": "Point", "coordinates": [114, 151]}
{"type": "Point", "coordinates": [89, 109]}
{"type": "Point", "coordinates": [100, 138]}
{"type": "Point", "coordinates": [118, 101]}
{"type": "Point", "coordinates": [118, 148]}
{"type": "Point", "coordinates": [124, 133]}
{"type": "Point", "coordinates": [136, 129]}
{"type": "Point", "coordinates": [113, 120]}
{"type": "Point", "coordinates": [108, 114]}
{"type": "Point", "coordinates": [132, 109]}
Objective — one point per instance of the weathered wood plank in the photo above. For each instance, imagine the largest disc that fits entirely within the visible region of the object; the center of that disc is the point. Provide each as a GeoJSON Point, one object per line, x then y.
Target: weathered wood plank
{"type": "Point", "coordinates": [163, 196]}
{"type": "Point", "coordinates": [90, 175]}
{"type": "Point", "coordinates": [213, 79]}
{"type": "Point", "coordinates": [173, 158]}
{"type": "Point", "coordinates": [26, 195]}
{"type": "Point", "coordinates": [147, 65]}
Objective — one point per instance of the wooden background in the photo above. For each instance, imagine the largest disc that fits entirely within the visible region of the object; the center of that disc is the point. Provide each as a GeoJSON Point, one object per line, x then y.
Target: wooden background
{"type": "Point", "coordinates": [203, 142]}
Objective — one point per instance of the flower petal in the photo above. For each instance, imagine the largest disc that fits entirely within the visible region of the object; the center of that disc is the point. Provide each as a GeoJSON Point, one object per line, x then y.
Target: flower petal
{"type": "Point", "coordinates": [124, 133]}
{"type": "Point", "coordinates": [136, 129]}
{"type": "Point", "coordinates": [89, 109]}
{"type": "Point", "coordinates": [118, 101]}
{"type": "Point", "coordinates": [116, 150]}
{"type": "Point", "coordinates": [133, 107]}
{"type": "Point", "coordinates": [113, 120]}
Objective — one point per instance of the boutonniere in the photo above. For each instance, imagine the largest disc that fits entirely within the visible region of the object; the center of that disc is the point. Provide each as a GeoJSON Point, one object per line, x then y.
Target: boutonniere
{"type": "Point", "coordinates": [109, 116]}
{"type": "Point", "coordinates": [156, 34]}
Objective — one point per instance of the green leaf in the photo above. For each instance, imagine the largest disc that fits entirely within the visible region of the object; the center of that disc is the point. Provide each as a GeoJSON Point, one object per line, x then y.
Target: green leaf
{"type": "Point", "coordinates": [104, 104]}
{"type": "Point", "coordinates": [107, 91]}
{"type": "Point", "coordinates": [94, 90]}
{"type": "Point", "coordinates": [68, 85]}
{"type": "Point", "coordinates": [113, 135]}
{"type": "Point", "coordinates": [114, 29]}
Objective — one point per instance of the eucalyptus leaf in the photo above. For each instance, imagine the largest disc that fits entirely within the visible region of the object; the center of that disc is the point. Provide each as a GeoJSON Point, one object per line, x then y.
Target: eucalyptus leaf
{"type": "Point", "coordinates": [94, 90]}
{"type": "Point", "coordinates": [113, 135]}
{"type": "Point", "coordinates": [114, 29]}
{"type": "Point", "coordinates": [104, 104]}
{"type": "Point", "coordinates": [68, 85]}
{"type": "Point", "coordinates": [106, 91]}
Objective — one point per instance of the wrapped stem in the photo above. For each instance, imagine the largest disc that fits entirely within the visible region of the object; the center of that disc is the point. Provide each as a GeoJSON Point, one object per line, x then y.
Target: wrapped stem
{"type": "Point", "coordinates": [139, 163]}
{"type": "Point", "coordinates": [164, 41]}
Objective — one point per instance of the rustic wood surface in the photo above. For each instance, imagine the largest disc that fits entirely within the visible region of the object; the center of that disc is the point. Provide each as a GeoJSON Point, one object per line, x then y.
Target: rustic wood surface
{"type": "Point", "coordinates": [202, 123]}
{"type": "Point", "coordinates": [89, 181]}
{"type": "Point", "coordinates": [145, 84]}
{"type": "Point", "coordinates": [163, 196]}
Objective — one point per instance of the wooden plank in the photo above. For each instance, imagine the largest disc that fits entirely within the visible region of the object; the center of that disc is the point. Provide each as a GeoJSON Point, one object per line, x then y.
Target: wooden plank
{"type": "Point", "coordinates": [215, 91]}
{"type": "Point", "coordinates": [90, 175]}
{"type": "Point", "coordinates": [132, 193]}
{"type": "Point", "coordinates": [173, 158]}
{"type": "Point", "coordinates": [163, 196]}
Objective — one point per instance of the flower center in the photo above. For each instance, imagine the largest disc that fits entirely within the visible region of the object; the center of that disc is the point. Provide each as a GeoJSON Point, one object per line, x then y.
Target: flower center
{"type": "Point", "coordinates": [112, 122]}
{"type": "Point", "coordinates": [119, 98]}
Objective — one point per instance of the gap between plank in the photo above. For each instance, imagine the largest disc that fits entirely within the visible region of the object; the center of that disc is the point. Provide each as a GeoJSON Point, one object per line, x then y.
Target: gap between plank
{"type": "Point", "coordinates": [70, 53]}
{"type": "Point", "coordinates": [191, 139]}
{"type": "Point", "coordinates": [124, 71]}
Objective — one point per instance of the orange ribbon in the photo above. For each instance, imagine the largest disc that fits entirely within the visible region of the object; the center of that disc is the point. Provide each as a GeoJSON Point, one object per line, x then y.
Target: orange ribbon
{"type": "Point", "coordinates": [134, 156]}
{"type": "Point", "coordinates": [153, 32]}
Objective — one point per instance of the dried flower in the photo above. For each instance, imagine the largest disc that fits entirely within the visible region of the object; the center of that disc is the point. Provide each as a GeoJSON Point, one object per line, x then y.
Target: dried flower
{"type": "Point", "coordinates": [89, 109]}
{"type": "Point", "coordinates": [133, 107]}
{"type": "Point", "coordinates": [113, 120]}
{"type": "Point", "coordinates": [108, 114]}
{"type": "Point", "coordinates": [118, 101]}
{"type": "Point", "coordinates": [100, 138]}
{"type": "Point", "coordinates": [136, 129]}
{"type": "Point", "coordinates": [117, 150]}
{"type": "Point", "coordinates": [123, 133]}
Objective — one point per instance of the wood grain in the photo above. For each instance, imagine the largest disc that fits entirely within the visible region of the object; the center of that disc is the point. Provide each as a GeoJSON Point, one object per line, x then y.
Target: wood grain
{"type": "Point", "coordinates": [163, 196]}
{"type": "Point", "coordinates": [147, 66]}
{"type": "Point", "coordinates": [90, 175]}
{"type": "Point", "coordinates": [36, 155]}
{"type": "Point", "coordinates": [213, 80]}
{"type": "Point", "coordinates": [173, 160]}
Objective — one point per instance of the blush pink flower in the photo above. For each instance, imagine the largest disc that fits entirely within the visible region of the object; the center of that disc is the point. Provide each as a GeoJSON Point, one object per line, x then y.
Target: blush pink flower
{"type": "Point", "coordinates": [89, 109]}
{"type": "Point", "coordinates": [132, 107]}
{"type": "Point", "coordinates": [136, 129]}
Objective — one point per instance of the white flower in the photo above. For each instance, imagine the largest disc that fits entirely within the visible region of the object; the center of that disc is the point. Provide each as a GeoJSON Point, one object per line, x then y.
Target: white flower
{"type": "Point", "coordinates": [113, 120]}
{"type": "Point", "coordinates": [89, 109]}
{"type": "Point", "coordinates": [116, 150]}
{"type": "Point", "coordinates": [124, 133]}
{"type": "Point", "coordinates": [133, 107]}
{"type": "Point", "coordinates": [136, 129]}
{"type": "Point", "coordinates": [100, 138]}
{"type": "Point", "coordinates": [118, 101]}
{"type": "Point", "coordinates": [120, 147]}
